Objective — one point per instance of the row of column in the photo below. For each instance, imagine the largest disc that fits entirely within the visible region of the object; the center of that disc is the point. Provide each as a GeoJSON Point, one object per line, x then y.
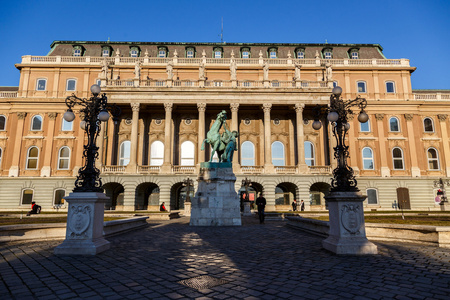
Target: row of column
{"type": "Point", "coordinates": [234, 107]}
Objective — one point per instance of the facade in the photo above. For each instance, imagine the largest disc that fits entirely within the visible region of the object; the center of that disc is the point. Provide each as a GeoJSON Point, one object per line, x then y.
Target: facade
{"type": "Point", "coordinates": [171, 93]}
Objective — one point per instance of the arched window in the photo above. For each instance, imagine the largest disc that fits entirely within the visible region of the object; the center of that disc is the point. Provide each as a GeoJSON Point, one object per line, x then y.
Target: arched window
{"type": "Point", "coordinates": [394, 125]}
{"type": "Point", "coordinates": [327, 53]}
{"type": "Point", "coordinates": [272, 53]}
{"type": "Point", "coordinates": [397, 158]}
{"type": "Point", "coordinates": [124, 153]}
{"type": "Point", "coordinates": [36, 123]}
{"type": "Point", "coordinates": [364, 127]}
{"type": "Point", "coordinates": [390, 87]}
{"type": "Point", "coordinates": [190, 52]}
{"type": "Point", "coordinates": [218, 52]}
{"type": "Point", "coordinates": [162, 52]}
{"type": "Point", "coordinates": [310, 155]}
{"type": "Point", "coordinates": [71, 85]}
{"type": "Point", "coordinates": [433, 159]}
{"type": "Point", "coordinates": [245, 52]}
{"type": "Point", "coordinates": [300, 53]}
{"type": "Point", "coordinates": [428, 125]}
{"type": "Point", "coordinates": [156, 153]}
{"type": "Point", "coordinates": [27, 196]}
{"type": "Point", "coordinates": [367, 155]}
{"type": "Point", "coordinates": [361, 86]}
{"type": "Point", "coordinates": [66, 126]}
{"type": "Point", "coordinates": [247, 154]}
{"type": "Point", "coordinates": [134, 51]}
{"type": "Point", "coordinates": [187, 153]}
{"type": "Point", "coordinates": [64, 158]}
{"type": "Point", "coordinates": [372, 196]}
{"type": "Point", "coordinates": [58, 198]}
{"type": "Point", "coordinates": [2, 123]}
{"type": "Point", "coordinates": [32, 158]}
{"type": "Point", "coordinates": [278, 154]}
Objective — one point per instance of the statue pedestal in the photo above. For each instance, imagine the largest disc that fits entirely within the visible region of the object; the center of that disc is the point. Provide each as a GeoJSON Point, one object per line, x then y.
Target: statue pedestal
{"type": "Point", "coordinates": [84, 232]}
{"type": "Point", "coordinates": [216, 202]}
{"type": "Point", "coordinates": [347, 228]}
{"type": "Point", "coordinates": [247, 211]}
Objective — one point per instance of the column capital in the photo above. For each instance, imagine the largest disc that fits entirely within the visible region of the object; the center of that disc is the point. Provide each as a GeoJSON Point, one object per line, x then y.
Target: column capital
{"type": "Point", "coordinates": [168, 107]}
{"type": "Point", "coordinates": [201, 107]}
{"type": "Point", "coordinates": [267, 107]}
{"type": "Point", "coordinates": [21, 115]}
{"type": "Point", "coordinates": [299, 107]}
{"type": "Point", "coordinates": [409, 117]}
{"type": "Point", "coordinates": [234, 107]}
{"type": "Point", "coordinates": [379, 117]}
{"type": "Point", "coordinates": [442, 118]}
{"type": "Point", "coordinates": [350, 117]}
{"type": "Point", "coordinates": [52, 115]}
{"type": "Point", "coordinates": [135, 107]}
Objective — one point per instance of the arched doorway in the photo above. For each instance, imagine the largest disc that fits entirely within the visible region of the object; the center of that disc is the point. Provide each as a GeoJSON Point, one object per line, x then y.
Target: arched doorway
{"type": "Point", "coordinates": [178, 196]}
{"type": "Point", "coordinates": [317, 193]}
{"type": "Point", "coordinates": [147, 197]}
{"type": "Point", "coordinates": [285, 194]}
{"type": "Point", "coordinates": [115, 192]}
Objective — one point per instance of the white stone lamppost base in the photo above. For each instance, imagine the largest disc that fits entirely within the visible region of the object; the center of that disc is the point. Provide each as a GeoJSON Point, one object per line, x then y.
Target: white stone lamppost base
{"type": "Point", "coordinates": [216, 202]}
{"type": "Point", "coordinates": [84, 232]}
{"type": "Point", "coordinates": [247, 210]}
{"type": "Point", "coordinates": [187, 209]}
{"type": "Point", "coordinates": [347, 228]}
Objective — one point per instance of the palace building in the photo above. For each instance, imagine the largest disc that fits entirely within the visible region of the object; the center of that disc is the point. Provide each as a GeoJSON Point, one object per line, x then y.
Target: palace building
{"type": "Point", "coordinates": [170, 95]}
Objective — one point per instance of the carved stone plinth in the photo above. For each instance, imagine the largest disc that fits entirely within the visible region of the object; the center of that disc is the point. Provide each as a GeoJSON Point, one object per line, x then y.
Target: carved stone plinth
{"type": "Point", "coordinates": [84, 232]}
{"type": "Point", "coordinates": [347, 229]}
{"type": "Point", "coordinates": [216, 202]}
{"type": "Point", "coordinates": [247, 210]}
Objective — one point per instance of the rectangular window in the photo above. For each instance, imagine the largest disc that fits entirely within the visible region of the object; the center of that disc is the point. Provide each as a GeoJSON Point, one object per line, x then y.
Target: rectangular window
{"type": "Point", "coordinates": [327, 55]}
{"type": "Point", "coordinates": [190, 54]}
{"type": "Point", "coordinates": [245, 54]}
{"type": "Point", "coordinates": [247, 84]}
{"type": "Point", "coordinates": [59, 195]}
{"type": "Point", "coordinates": [217, 54]}
{"type": "Point", "coordinates": [300, 55]}
{"type": "Point", "coordinates": [71, 84]}
{"type": "Point", "coordinates": [162, 53]}
{"type": "Point", "coordinates": [354, 55]}
{"type": "Point", "coordinates": [105, 52]}
{"type": "Point", "coordinates": [77, 52]}
{"type": "Point", "coordinates": [372, 197]}
{"type": "Point", "coordinates": [66, 126]}
{"type": "Point", "coordinates": [134, 53]}
{"type": "Point", "coordinates": [390, 87]}
{"type": "Point", "coordinates": [365, 127]}
{"type": "Point", "coordinates": [41, 85]}
{"type": "Point", "coordinates": [273, 54]}
{"type": "Point", "coordinates": [27, 197]}
{"type": "Point", "coordinates": [361, 87]}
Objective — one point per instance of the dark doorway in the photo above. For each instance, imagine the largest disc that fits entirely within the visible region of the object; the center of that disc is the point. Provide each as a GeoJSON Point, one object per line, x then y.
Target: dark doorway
{"type": "Point", "coordinates": [403, 198]}
{"type": "Point", "coordinates": [115, 192]}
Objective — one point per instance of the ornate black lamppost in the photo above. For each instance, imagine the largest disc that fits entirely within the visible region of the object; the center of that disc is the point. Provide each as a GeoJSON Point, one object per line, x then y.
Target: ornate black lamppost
{"type": "Point", "coordinates": [94, 111]}
{"type": "Point", "coordinates": [84, 231]}
{"type": "Point", "coordinates": [343, 178]}
{"type": "Point", "coordinates": [347, 233]}
{"type": "Point", "coordinates": [188, 183]}
{"type": "Point", "coordinates": [246, 183]}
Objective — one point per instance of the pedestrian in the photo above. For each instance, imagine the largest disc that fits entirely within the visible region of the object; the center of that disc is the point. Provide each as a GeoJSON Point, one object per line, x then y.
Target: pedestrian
{"type": "Point", "coordinates": [162, 207]}
{"type": "Point", "coordinates": [35, 209]}
{"type": "Point", "coordinates": [261, 203]}
{"type": "Point", "coordinates": [302, 205]}
{"type": "Point", "coordinates": [294, 205]}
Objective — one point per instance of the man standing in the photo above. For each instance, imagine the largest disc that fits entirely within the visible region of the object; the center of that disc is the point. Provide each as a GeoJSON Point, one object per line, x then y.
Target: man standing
{"type": "Point", "coordinates": [294, 205]}
{"type": "Point", "coordinates": [302, 206]}
{"type": "Point", "coordinates": [261, 203]}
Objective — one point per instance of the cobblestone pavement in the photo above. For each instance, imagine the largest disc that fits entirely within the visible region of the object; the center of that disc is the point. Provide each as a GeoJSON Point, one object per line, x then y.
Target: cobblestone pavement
{"type": "Point", "coordinates": [253, 261]}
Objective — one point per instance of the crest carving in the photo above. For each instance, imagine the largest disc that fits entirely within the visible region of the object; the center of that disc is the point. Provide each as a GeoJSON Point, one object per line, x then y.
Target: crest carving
{"type": "Point", "coordinates": [350, 218]}
{"type": "Point", "coordinates": [79, 221]}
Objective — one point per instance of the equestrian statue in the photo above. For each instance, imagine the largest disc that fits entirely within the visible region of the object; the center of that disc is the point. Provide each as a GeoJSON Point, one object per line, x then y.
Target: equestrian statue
{"type": "Point", "coordinates": [224, 144]}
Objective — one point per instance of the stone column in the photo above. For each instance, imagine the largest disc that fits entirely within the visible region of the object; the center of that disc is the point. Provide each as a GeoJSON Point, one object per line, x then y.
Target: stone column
{"type": "Point", "coordinates": [48, 152]}
{"type": "Point", "coordinates": [302, 167]}
{"type": "Point", "coordinates": [234, 107]}
{"type": "Point", "coordinates": [268, 166]}
{"type": "Point", "coordinates": [14, 170]}
{"type": "Point", "coordinates": [415, 170]}
{"type": "Point", "coordinates": [385, 172]}
{"type": "Point", "coordinates": [201, 132]}
{"type": "Point", "coordinates": [167, 165]}
{"type": "Point", "coordinates": [443, 124]}
{"type": "Point", "coordinates": [132, 165]}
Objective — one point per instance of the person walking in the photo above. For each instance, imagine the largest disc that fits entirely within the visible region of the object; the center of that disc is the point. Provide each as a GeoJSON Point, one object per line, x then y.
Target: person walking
{"type": "Point", "coordinates": [261, 204]}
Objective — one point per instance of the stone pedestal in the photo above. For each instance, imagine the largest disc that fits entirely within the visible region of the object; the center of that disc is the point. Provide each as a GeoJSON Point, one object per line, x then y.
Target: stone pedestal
{"type": "Point", "coordinates": [84, 232]}
{"type": "Point", "coordinates": [187, 208]}
{"type": "Point", "coordinates": [247, 211]}
{"type": "Point", "coordinates": [347, 229]}
{"type": "Point", "coordinates": [216, 202]}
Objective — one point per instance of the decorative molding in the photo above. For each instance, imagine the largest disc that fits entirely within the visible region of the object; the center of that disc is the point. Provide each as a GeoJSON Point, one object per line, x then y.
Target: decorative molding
{"type": "Point", "coordinates": [135, 107]}
{"type": "Point", "coordinates": [201, 107]}
{"type": "Point", "coordinates": [442, 118]}
{"type": "Point", "coordinates": [21, 115]}
{"type": "Point", "coordinates": [299, 107]}
{"type": "Point", "coordinates": [409, 117]}
{"type": "Point", "coordinates": [379, 117]}
{"type": "Point", "coordinates": [52, 115]}
{"type": "Point", "coordinates": [234, 107]}
{"type": "Point", "coordinates": [168, 107]}
{"type": "Point", "coordinates": [267, 107]}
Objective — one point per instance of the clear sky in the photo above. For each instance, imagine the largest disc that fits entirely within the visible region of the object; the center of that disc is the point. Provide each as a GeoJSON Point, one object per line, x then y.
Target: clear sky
{"type": "Point", "coordinates": [418, 30]}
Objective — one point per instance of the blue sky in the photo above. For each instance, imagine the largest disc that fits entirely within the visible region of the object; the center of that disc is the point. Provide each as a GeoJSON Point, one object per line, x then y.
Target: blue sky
{"type": "Point", "coordinates": [413, 29]}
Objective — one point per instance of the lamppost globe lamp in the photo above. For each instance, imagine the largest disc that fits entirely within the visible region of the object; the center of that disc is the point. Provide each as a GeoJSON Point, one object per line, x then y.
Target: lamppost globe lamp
{"type": "Point", "coordinates": [363, 117]}
{"type": "Point", "coordinates": [69, 116]}
{"type": "Point", "coordinates": [103, 116]}
{"type": "Point", "coordinates": [337, 91]}
{"type": "Point", "coordinates": [316, 124]}
{"type": "Point", "coordinates": [95, 89]}
{"type": "Point", "coordinates": [332, 116]}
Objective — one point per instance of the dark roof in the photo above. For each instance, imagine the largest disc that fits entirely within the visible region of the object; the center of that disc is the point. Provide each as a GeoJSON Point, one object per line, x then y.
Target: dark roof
{"type": "Point", "coordinates": [9, 88]}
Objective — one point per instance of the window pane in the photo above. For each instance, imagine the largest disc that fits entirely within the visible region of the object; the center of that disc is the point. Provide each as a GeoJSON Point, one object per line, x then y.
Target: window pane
{"type": "Point", "coordinates": [71, 85]}
{"type": "Point", "coordinates": [428, 124]}
{"type": "Point", "coordinates": [367, 159]}
{"type": "Point", "coordinates": [309, 154]}
{"type": "Point", "coordinates": [125, 149]}
{"type": "Point", "coordinates": [247, 154]}
{"type": "Point", "coordinates": [27, 196]}
{"type": "Point", "coordinates": [156, 153]}
{"type": "Point", "coordinates": [245, 54]}
{"type": "Point", "coordinates": [59, 194]}
{"type": "Point", "coordinates": [365, 127]}
{"type": "Point", "coordinates": [393, 124]}
{"type": "Point", "coordinates": [66, 126]}
{"type": "Point", "coordinates": [278, 154]}
{"type": "Point", "coordinates": [187, 153]}
{"type": "Point", "coordinates": [2, 122]}
{"type": "Point", "coordinates": [372, 196]}
{"type": "Point", "coordinates": [36, 123]}
{"type": "Point", "coordinates": [361, 87]}
{"type": "Point", "coordinates": [390, 87]}
{"type": "Point", "coordinates": [41, 84]}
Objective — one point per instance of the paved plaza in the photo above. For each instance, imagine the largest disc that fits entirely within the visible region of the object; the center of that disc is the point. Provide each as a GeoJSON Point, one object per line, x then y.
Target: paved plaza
{"type": "Point", "coordinates": [171, 260]}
